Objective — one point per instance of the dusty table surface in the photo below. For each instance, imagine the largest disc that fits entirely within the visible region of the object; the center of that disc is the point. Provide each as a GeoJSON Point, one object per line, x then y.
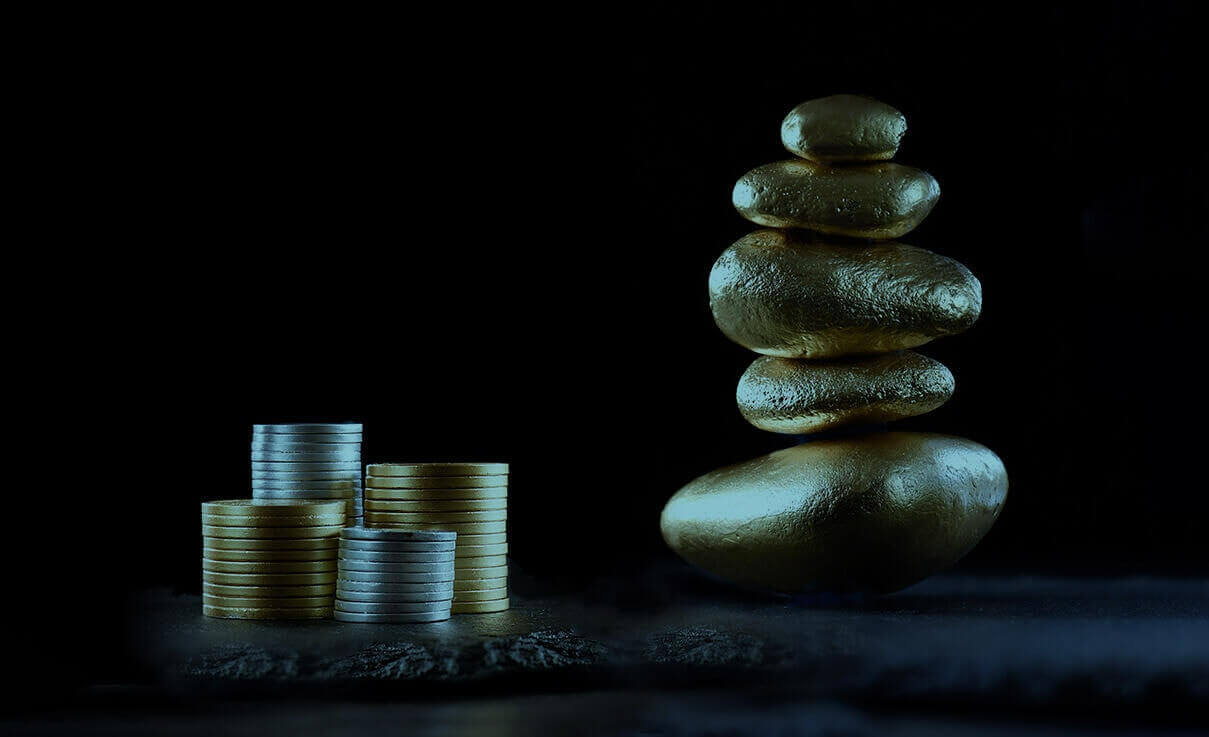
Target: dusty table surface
{"type": "Point", "coordinates": [661, 651]}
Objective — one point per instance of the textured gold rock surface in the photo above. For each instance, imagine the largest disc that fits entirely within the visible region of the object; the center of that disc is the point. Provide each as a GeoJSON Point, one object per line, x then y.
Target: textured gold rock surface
{"type": "Point", "coordinates": [794, 396]}
{"type": "Point", "coordinates": [843, 128]}
{"type": "Point", "coordinates": [869, 201]}
{"type": "Point", "coordinates": [874, 513]}
{"type": "Point", "coordinates": [776, 293]}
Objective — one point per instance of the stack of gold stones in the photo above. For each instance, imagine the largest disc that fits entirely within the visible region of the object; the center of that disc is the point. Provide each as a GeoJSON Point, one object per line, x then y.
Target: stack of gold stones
{"type": "Point", "coordinates": [470, 499]}
{"type": "Point", "coordinates": [834, 307]}
{"type": "Point", "coordinates": [270, 559]}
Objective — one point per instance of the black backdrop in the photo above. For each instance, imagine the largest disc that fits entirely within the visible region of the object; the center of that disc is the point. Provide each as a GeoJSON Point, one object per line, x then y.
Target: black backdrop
{"type": "Point", "coordinates": [500, 252]}
{"type": "Point", "coordinates": [487, 237]}
{"type": "Point", "coordinates": [492, 243]}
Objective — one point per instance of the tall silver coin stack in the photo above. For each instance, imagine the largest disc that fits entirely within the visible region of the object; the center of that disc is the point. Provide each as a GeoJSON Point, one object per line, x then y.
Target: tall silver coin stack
{"type": "Point", "coordinates": [391, 576]}
{"type": "Point", "coordinates": [309, 461]}
{"type": "Point", "coordinates": [470, 499]}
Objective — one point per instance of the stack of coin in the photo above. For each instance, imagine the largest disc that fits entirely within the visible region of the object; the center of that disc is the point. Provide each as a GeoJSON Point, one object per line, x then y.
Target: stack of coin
{"type": "Point", "coordinates": [269, 559]}
{"type": "Point", "coordinates": [394, 576]}
{"type": "Point", "coordinates": [308, 461]}
{"type": "Point", "coordinates": [470, 499]}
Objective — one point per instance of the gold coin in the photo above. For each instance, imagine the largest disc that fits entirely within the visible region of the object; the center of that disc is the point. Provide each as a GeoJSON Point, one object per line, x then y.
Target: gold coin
{"type": "Point", "coordinates": [267, 555]}
{"type": "Point", "coordinates": [466, 574]}
{"type": "Point", "coordinates": [495, 515]}
{"type": "Point", "coordinates": [467, 527]}
{"type": "Point", "coordinates": [230, 520]}
{"type": "Point", "coordinates": [483, 561]}
{"type": "Point", "coordinates": [268, 592]}
{"type": "Point", "coordinates": [478, 607]}
{"type": "Point", "coordinates": [474, 551]}
{"type": "Point", "coordinates": [475, 539]}
{"type": "Point", "coordinates": [479, 584]}
{"type": "Point", "coordinates": [436, 505]}
{"type": "Point", "coordinates": [270, 507]}
{"type": "Point", "coordinates": [271, 566]}
{"type": "Point", "coordinates": [499, 492]}
{"type": "Point", "coordinates": [263, 533]}
{"type": "Point", "coordinates": [436, 482]}
{"type": "Point", "coordinates": [283, 543]}
{"type": "Point", "coordinates": [263, 613]}
{"type": "Point", "coordinates": [269, 579]}
{"type": "Point", "coordinates": [480, 595]}
{"type": "Point", "coordinates": [277, 603]}
{"type": "Point", "coordinates": [436, 469]}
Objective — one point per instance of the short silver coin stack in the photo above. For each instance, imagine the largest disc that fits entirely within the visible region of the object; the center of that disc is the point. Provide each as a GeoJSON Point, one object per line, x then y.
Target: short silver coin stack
{"type": "Point", "coordinates": [309, 461]}
{"type": "Point", "coordinates": [390, 576]}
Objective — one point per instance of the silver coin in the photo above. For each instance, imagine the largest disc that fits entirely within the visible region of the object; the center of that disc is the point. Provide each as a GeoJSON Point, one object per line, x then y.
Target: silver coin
{"type": "Point", "coordinates": [369, 587]}
{"type": "Point", "coordinates": [304, 494]}
{"type": "Point", "coordinates": [348, 483]}
{"type": "Point", "coordinates": [445, 568]}
{"type": "Point", "coordinates": [314, 438]}
{"type": "Point", "coordinates": [391, 535]}
{"type": "Point", "coordinates": [362, 556]}
{"type": "Point", "coordinates": [388, 598]}
{"type": "Point", "coordinates": [390, 618]}
{"type": "Point", "coordinates": [294, 428]}
{"type": "Point", "coordinates": [296, 467]}
{"type": "Point", "coordinates": [396, 607]}
{"type": "Point", "coordinates": [374, 577]}
{"type": "Point", "coordinates": [339, 475]}
{"type": "Point", "coordinates": [352, 455]}
{"type": "Point", "coordinates": [377, 546]}
{"type": "Point", "coordinates": [343, 450]}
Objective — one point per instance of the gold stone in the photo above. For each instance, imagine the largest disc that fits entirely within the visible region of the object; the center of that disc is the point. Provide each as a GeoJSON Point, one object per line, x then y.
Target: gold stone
{"type": "Point", "coordinates": [843, 128]}
{"type": "Point", "coordinates": [781, 294]}
{"type": "Point", "coordinates": [789, 395]}
{"type": "Point", "coordinates": [870, 201]}
{"type": "Point", "coordinates": [873, 513]}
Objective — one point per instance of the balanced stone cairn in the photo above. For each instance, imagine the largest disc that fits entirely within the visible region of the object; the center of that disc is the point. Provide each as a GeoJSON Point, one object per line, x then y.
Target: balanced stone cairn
{"type": "Point", "coordinates": [834, 310]}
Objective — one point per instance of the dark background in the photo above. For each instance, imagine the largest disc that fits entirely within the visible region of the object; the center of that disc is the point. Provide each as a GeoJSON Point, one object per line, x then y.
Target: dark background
{"type": "Point", "coordinates": [492, 243]}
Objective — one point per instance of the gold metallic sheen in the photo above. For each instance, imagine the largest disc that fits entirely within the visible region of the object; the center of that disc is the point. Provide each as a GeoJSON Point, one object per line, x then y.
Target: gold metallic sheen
{"type": "Point", "coordinates": [869, 201]}
{"type": "Point", "coordinates": [789, 395]}
{"type": "Point", "coordinates": [873, 513]}
{"type": "Point", "coordinates": [843, 128]}
{"type": "Point", "coordinates": [781, 294]}
{"type": "Point", "coordinates": [478, 607]}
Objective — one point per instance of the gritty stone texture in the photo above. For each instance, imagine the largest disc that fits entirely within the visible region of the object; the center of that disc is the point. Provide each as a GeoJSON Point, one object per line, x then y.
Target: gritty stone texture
{"type": "Point", "coordinates": [1006, 642]}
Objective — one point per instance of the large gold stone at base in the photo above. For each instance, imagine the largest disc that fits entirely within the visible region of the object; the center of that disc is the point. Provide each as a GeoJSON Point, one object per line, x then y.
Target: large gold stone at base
{"type": "Point", "coordinates": [780, 294]}
{"type": "Point", "coordinates": [843, 128]}
{"type": "Point", "coordinates": [789, 395]}
{"type": "Point", "coordinates": [871, 201]}
{"type": "Point", "coordinates": [875, 513]}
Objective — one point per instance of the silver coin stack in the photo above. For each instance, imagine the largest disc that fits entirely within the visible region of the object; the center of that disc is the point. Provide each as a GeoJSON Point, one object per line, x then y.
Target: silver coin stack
{"type": "Point", "coordinates": [394, 576]}
{"type": "Point", "coordinates": [309, 461]}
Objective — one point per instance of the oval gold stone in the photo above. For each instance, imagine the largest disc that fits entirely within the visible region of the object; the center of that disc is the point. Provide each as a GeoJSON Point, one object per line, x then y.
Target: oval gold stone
{"type": "Point", "coordinates": [793, 396]}
{"type": "Point", "coordinates": [843, 128]}
{"type": "Point", "coordinates": [779, 295]}
{"type": "Point", "coordinates": [871, 201]}
{"type": "Point", "coordinates": [874, 513]}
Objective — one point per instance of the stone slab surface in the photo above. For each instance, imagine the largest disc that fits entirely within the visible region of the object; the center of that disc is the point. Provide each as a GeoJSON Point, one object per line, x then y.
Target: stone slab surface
{"type": "Point", "coordinates": [1023, 641]}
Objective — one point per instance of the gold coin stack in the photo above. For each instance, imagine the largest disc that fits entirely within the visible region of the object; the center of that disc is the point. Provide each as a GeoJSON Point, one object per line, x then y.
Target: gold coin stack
{"type": "Point", "coordinates": [470, 499]}
{"type": "Point", "coordinates": [270, 559]}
